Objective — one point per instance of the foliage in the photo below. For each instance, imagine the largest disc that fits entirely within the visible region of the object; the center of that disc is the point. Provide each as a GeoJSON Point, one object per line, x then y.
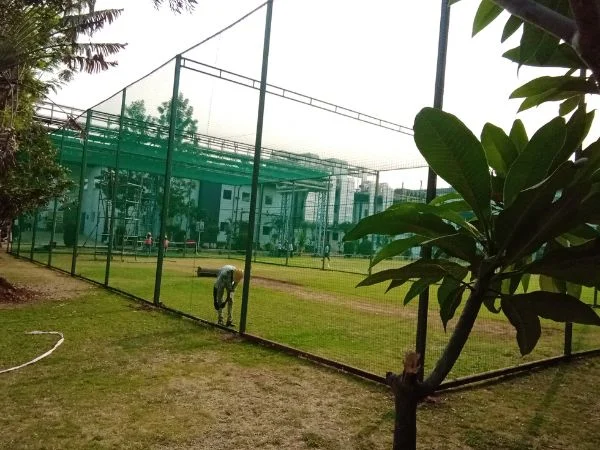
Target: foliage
{"type": "Point", "coordinates": [40, 38]}
{"type": "Point", "coordinates": [45, 36]}
{"type": "Point", "coordinates": [522, 206]}
{"type": "Point", "coordinates": [35, 178]}
{"type": "Point", "coordinates": [184, 118]}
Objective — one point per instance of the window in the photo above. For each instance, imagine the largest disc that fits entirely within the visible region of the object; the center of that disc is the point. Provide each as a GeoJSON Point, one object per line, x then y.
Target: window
{"type": "Point", "coordinates": [227, 194]}
{"type": "Point", "coordinates": [266, 231]}
{"type": "Point", "coordinates": [245, 196]}
{"type": "Point", "coordinates": [224, 226]}
{"type": "Point", "coordinates": [268, 199]}
{"type": "Point", "coordinates": [334, 236]}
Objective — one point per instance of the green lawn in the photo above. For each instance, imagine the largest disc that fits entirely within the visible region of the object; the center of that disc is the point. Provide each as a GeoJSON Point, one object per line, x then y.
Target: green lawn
{"type": "Point", "coordinates": [129, 376]}
{"type": "Point", "coordinates": [322, 312]}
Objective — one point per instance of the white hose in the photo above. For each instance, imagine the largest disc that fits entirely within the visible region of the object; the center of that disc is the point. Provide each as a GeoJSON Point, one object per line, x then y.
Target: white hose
{"type": "Point", "coordinates": [58, 344]}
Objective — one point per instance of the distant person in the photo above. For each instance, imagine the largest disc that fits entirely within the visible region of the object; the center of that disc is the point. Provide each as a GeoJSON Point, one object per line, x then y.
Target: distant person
{"type": "Point", "coordinates": [148, 243]}
{"type": "Point", "coordinates": [228, 279]}
{"type": "Point", "coordinates": [166, 244]}
{"type": "Point", "coordinates": [326, 257]}
{"type": "Point", "coordinates": [291, 249]}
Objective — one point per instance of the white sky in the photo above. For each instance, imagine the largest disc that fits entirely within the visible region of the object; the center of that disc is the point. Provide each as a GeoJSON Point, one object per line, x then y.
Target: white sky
{"type": "Point", "coordinates": [377, 57]}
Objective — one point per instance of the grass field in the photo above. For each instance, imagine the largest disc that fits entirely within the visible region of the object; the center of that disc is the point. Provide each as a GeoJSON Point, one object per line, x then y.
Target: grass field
{"type": "Point", "coordinates": [323, 313]}
{"type": "Point", "coordinates": [131, 377]}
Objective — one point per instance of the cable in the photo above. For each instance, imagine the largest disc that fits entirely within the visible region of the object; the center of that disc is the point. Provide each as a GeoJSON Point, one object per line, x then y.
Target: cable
{"type": "Point", "coordinates": [36, 359]}
{"type": "Point", "coordinates": [231, 25]}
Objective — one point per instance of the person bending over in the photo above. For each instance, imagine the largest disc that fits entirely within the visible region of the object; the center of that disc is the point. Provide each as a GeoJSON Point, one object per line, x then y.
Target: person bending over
{"type": "Point", "coordinates": [228, 278]}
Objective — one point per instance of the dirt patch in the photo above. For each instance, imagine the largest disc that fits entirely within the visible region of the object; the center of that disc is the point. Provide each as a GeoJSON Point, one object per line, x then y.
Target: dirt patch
{"type": "Point", "coordinates": [10, 294]}
{"type": "Point", "coordinates": [352, 302]}
{"type": "Point", "coordinates": [271, 281]}
{"type": "Point", "coordinates": [32, 283]}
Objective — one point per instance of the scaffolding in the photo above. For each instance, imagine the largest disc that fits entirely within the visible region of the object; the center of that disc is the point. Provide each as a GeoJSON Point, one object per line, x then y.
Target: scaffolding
{"type": "Point", "coordinates": [129, 213]}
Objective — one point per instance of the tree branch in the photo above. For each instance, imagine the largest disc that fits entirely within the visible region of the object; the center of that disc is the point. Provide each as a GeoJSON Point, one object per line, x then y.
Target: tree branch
{"type": "Point", "coordinates": [537, 14]}
{"type": "Point", "coordinates": [586, 41]}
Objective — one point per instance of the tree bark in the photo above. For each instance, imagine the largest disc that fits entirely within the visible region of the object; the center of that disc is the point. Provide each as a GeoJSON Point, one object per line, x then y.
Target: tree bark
{"type": "Point", "coordinates": [408, 392]}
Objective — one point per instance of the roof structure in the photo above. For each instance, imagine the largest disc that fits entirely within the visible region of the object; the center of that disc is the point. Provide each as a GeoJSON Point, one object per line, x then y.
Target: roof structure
{"type": "Point", "coordinates": [142, 147]}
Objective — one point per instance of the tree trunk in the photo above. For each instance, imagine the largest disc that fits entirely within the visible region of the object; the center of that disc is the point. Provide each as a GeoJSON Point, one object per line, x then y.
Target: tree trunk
{"type": "Point", "coordinates": [407, 392]}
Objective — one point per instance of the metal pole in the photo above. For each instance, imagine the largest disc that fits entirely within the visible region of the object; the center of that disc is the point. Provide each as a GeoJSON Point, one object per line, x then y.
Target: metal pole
{"type": "Point", "coordinates": [20, 220]}
{"type": "Point", "coordinates": [325, 240]}
{"type": "Point", "coordinates": [290, 225]}
{"type": "Point", "coordinates": [260, 208]}
{"type": "Point", "coordinates": [88, 121]}
{"type": "Point", "coordinates": [115, 187]}
{"type": "Point", "coordinates": [52, 232]}
{"type": "Point", "coordinates": [55, 208]}
{"type": "Point", "coordinates": [167, 186]}
{"type": "Point", "coordinates": [256, 166]}
{"type": "Point", "coordinates": [33, 233]}
{"type": "Point", "coordinates": [421, 338]}
{"type": "Point", "coordinates": [374, 212]}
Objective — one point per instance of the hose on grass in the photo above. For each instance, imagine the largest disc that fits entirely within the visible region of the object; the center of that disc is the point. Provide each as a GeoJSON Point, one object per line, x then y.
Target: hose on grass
{"type": "Point", "coordinates": [37, 358]}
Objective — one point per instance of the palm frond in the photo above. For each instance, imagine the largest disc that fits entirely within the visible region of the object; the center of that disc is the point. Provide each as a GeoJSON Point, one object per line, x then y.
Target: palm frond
{"type": "Point", "coordinates": [88, 23]}
{"type": "Point", "coordinates": [177, 6]}
{"type": "Point", "coordinates": [90, 64]}
{"type": "Point", "coordinates": [98, 47]}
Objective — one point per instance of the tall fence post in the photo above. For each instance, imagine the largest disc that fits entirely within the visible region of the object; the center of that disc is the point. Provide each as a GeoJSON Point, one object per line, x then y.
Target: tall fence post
{"type": "Point", "coordinates": [164, 212]}
{"type": "Point", "coordinates": [34, 233]}
{"type": "Point", "coordinates": [52, 232]}
{"type": "Point", "coordinates": [438, 100]}
{"type": "Point", "coordinates": [290, 225]}
{"type": "Point", "coordinates": [114, 192]}
{"type": "Point", "coordinates": [260, 208]}
{"type": "Point", "coordinates": [325, 226]}
{"type": "Point", "coordinates": [373, 236]}
{"type": "Point", "coordinates": [88, 121]}
{"type": "Point", "coordinates": [55, 208]}
{"type": "Point", "coordinates": [20, 221]}
{"type": "Point", "coordinates": [256, 166]}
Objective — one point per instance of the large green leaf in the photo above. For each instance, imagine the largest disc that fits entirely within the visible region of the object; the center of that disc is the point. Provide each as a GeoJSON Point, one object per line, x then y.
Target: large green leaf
{"type": "Point", "coordinates": [486, 14]}
{"type": "Point", "coordinates": [419, 286]}
{"type": "Point", "coordinates": [549, 284]}
{"type": "Point", "coordinates": [458, 245]}
{"type": "Point", "coordinates": [518, 135]}
{"type": "Point", "coordinates": [581, 234]}
{"type": "Point", "coordinates": [563, 83]}
{"type": "Point", "coordinates": [579, 264]}
{"type": "Point", "coordinates": [421, 268]}
{"type": "Point", "coordinates": [569, 105]}
{"type": "Point", "coordinates": [535, 160]}
{"type": "Point", "coordinates": [531, 40]}
{"type": "Point", "coordinates": [514, 224]}
{"type": "Point", "coordinates": [591, 156]}
{"type": "Point", "coordinates": [558, 307]}
{"type": "Point", "coordinates": [446, 198]}
{"type": "Point", "coordinates": [577, 130]}
{"type": "Point", "coordinates": [512, 25]}
{"type": "Point", "coordinates": [563, 57]}
{"type": "Point", "coordinates": [559, 217]}
{"type": "Point", "coordinates": [551, 95]}
{"type": "Point", "coordinates": [397, 247]}
{"type": "Point", "coordinates": [449, 297]}
{"type": "Point", "coordinates": [525, 321]}
{"type": "Point", "coordinates": [530, 203]}
{"type": "Point", "coordinates": [402, 218]}
{"type": "Point", "coordinates": [499, 148]}
{"type": "Point", "coordinates": [456, 155]}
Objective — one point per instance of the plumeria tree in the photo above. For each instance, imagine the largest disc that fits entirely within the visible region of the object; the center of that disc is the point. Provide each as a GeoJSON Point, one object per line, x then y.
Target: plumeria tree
{"type": "Point", "coordinates": [524, 206]}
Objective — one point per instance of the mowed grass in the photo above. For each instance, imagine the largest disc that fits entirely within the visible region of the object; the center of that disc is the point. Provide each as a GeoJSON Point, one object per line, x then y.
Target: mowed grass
{"type": "Point", "coordinates": [132, 377]}
{"type": "Point", "coordinates": [324, 313]}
